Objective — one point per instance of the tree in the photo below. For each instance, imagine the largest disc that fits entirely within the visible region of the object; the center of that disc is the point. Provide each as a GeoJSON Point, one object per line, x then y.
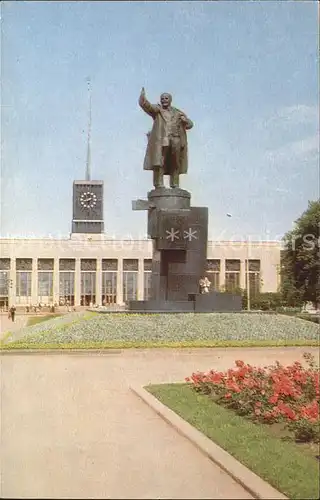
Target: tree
{"type": "Point", "coordinates": [300, 266]}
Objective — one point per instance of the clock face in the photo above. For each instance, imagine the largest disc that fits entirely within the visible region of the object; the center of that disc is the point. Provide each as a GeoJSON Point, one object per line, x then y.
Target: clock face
{"type": "Point", "coordinates": [88, 199]}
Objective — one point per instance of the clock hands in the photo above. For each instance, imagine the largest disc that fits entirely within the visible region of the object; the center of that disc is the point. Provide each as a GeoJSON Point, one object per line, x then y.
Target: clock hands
{"type": "Point", "coordinates": [88, 200]}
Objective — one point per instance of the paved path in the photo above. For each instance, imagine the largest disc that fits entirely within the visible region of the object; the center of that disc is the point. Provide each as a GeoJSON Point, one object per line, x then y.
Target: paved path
{"type": "Point", "coordinates": [71, 428]}
{"type": "Point", "coordinates": [7, 325]}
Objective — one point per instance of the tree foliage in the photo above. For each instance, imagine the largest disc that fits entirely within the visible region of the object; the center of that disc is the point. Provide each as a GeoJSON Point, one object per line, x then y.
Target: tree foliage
{"type": "Point", "coordinates": [300, 266]}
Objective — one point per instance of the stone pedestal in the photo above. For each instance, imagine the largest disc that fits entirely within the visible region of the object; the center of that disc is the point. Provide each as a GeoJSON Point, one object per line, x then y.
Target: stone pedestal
{"type": "Point", "coordinates": [180, 235]}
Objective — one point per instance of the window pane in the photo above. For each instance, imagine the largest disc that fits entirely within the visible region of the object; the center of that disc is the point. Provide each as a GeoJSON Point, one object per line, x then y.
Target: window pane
{"type": "Point", "coordinates": [254, 265]}
{"type": "Point", "coordinates": [88, 265]}
{"type": "Point", "coordinates": [213, 265]}
{"type": "Point", "coordinates": [214, 278]}
{"type": "Point", "coordinates": [23, 284]}
{"type": "Point", "coordinates": [5, 264]}
{"type": "Point", "coordinates": [147, 285]}
{"type": "Point", "coordinates": [24, 264]}
{"type": "Point", "coordinates": [232, 281]}
{"type": "Point", "coordinates": [130, 264]}
{"type": "Point", "coordinates": [88, 288]}
{"type": "Point", "coordinates": [109, 287]}
{"type": "Point", "coordinates": [4, 283]}
{"type": "Point", "coordinates": [66, 287]}
{"type": "Point", "coordinates": [67, 264]}
{"type": "Point", "coordinates": [109, 264]}
{"type": "Point", "coordinates": [254, 283]}
{"type": "Point", "coordinates": [130, 285]}
{"type": "Point", "coordinates": [45, 264]}
{"type": "Point", "coordinates": [147, 264]}
{"type": "Point", "coordinates": [45, 284]}
{"type": "Point", "coordinates": [232, 265]}
{"type": "Point", "coordinates": [88, 283]}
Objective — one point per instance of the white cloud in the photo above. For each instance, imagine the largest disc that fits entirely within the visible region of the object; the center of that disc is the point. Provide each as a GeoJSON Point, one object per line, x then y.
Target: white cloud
{"type": "Point", "coordinates": [303, 150]}
{"type": "Point", "coordinates": [300, 114]}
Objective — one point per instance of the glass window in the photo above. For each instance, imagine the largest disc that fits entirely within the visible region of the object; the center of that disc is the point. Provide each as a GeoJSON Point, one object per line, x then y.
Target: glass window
{"type": "Point", "coordinates": [24, 264]}
{"type": "Point", "coordinates": [88, 265]}
{"type": "Point", "coordinates": [130, 264]}
{"type": "Point", "coordinates": [213, 273]}
{"type": "Point", "coordinates": [254, 277]}
{"type": "Point", "coordinates": [4, 264]}
{"type": "Point", "coordinates": [66, 287]}
{"type": "Point", "coordinates": [109, 264]}
{"type": "Point", "coordinates": [4, 283]}
{"type": "Point", "coordinates": [45, 264]}
{"type": "Point", "coordinates": [147, 264]}
{"type": "Point", "coordinates": [254, 283]}
{"type": "Point", "coordinates": [233, 265]}
{"type": "Point", "coordinates": [109, 287]}
{"type": "Point", "coordinates": [214, 278]}
{"type": "Point", "coordinates": [213, 265]}
{"type": "Point", "coordinates": [45, 285]}
{"type": "Point", "coordinates": [88, 288]}
{"type": "Point", "coordinates": [23, 284]}
{"type": "Point", "coordinates": [130, 285]}
{"type": "Point", "coordinates": [147, 277]}
{"type": "Point", "coordinates": [232, 281]}
{"type": "Point", "coordinates": [67, 264]}
{"type": "Point", "coordinates": [254, 265]}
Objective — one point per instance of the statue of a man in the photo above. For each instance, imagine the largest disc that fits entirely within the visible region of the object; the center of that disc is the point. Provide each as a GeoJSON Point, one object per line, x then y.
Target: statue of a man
{"type": "Point", "coordinates": [204, 285]}
{"type": "Point", "coordinates": [167, 150]}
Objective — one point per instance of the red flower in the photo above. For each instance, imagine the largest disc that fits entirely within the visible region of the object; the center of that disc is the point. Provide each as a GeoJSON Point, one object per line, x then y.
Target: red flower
{"type": "Point", "coordinates": [273, 399]}
{"type": "Point", "coordinates": [239, 363]}
{"type": "Point", "coordinates": [310, 411]}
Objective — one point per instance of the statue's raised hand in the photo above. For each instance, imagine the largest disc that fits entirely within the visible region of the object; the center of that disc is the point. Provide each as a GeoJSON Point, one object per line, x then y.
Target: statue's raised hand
{"type": "Point", "coordinates": [143, 92]}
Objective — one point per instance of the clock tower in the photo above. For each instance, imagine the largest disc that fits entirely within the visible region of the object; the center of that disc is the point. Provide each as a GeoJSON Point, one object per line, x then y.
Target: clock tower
{"type": "Point", "coordinates": [87, 207]}
{"type": "Point", "coordinates": [87, 215]}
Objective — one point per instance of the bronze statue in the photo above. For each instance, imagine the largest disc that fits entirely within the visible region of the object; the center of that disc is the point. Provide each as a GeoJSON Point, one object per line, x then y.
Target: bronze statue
{"type": "Point", "coordinates": [167, 150]}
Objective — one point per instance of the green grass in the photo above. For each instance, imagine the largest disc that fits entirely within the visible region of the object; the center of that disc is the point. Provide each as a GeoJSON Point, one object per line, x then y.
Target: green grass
{"type": "Point", "coordinates": [286, 466]}
{"type": "Point", "coordinates": [22, 344]}
{"type": "Point", "coordinates": [34, 320]}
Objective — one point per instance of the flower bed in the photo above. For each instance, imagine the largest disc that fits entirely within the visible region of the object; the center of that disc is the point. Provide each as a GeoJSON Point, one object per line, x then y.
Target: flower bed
{"type": "Point", "coordinates": [269, 395]}
{"type": "Point", "coordinates": [208, 329]}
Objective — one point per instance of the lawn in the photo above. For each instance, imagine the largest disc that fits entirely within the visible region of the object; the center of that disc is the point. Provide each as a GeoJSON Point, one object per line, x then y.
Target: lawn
{"type": "Point", "coordinates": [94, 330]}
{"type": "Point", "coordinates": [290, 468]}
{"type": "Point", "coordinates": [34, 320]}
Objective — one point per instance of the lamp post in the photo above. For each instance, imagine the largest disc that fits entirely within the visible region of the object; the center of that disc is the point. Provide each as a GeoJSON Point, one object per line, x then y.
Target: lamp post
{"type": "Point", "coordinates": [248, 282]}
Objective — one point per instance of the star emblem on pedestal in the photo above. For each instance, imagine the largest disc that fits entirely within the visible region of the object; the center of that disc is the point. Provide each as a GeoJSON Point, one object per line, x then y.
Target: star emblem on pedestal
{"type": "Point", "coordinates": [190, 234]}
{"type": "Point", "coordinates": [172, 234]}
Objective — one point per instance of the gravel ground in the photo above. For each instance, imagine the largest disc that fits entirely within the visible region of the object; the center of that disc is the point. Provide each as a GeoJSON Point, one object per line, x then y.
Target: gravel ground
{"type": "Point", "coordinates": [93, 327]}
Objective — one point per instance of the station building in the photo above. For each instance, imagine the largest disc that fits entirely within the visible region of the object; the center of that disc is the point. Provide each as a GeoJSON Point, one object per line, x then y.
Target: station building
{"type": "Point", "coordinates": [90, 268]}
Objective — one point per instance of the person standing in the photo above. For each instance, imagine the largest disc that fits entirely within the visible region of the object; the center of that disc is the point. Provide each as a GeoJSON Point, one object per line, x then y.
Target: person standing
{"type": "Point", "coordinates": [12, 312]}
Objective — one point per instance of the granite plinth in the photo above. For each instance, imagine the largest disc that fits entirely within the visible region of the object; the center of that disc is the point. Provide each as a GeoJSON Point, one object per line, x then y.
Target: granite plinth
{"type": "Point", "coordinates": [169, 199]}
{"type": "Point", "coordinates": [218, 302]}
{"type": "Point", "coordinates": [161, 306]}
{"type": "Point", "coordinates": [180, 236]}
{"type": "Point", "coordinates": [196, 302]}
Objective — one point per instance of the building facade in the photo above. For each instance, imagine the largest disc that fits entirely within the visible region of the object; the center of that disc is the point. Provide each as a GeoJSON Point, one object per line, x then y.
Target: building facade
{"type": "Point", "coordinates": [92, 269]}
{"type": "Point", "coordinates": [88, 268]}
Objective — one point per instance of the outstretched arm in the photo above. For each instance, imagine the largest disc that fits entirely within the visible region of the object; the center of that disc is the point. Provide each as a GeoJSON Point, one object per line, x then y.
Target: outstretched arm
{"type": "Point", "coordinates": [147, 107]}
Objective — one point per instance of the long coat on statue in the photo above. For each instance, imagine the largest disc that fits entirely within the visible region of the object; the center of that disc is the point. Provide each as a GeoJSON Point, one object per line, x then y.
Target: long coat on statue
{"type": "Point", "coordinates": [154, 153]}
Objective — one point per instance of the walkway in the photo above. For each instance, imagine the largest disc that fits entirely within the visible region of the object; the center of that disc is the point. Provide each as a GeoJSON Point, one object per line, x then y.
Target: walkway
{"type": "Point", "coordinates": [7, 325]}
{"type": "Point", "coordinates": [71, 428]}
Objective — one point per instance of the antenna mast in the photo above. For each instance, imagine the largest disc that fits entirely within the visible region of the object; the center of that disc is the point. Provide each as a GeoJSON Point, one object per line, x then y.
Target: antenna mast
{"type": "Point", "coordinates": [88, 162]}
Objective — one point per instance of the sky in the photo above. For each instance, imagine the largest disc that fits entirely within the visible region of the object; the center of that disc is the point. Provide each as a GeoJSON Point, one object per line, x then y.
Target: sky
{"type": "Point", "coordinates": [246, 73]}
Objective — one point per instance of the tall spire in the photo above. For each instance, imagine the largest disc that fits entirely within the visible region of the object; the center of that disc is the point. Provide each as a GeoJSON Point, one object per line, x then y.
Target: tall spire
{"type": "Point", "coordinates": [88, 162]}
